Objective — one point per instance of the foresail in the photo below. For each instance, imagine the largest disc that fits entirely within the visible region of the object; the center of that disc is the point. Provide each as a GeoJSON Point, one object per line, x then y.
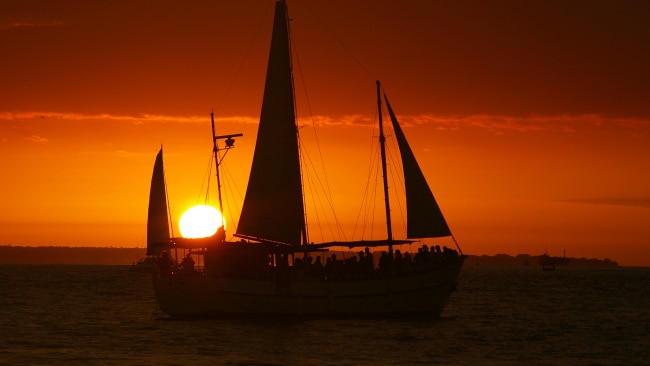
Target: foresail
{"type": "Point", "coordinates": [273, 208]}
{"type": "Point", "coordinates": [423, 215]}
{"type": "Point", "coordinates": [157, 222]}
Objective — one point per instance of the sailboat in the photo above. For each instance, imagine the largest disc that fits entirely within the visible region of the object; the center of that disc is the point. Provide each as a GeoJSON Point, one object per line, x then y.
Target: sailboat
{"type": "Point", "coordinates": [273, 269]}
{"type": "Point", "coordinates": [158, 236]}
{"type": "Point", "coordinates": [548, 263]}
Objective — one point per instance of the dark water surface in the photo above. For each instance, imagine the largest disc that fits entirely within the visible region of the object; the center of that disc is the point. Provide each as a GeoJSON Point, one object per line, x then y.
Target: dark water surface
{"type": "Point", "coordinates": [58, 314]}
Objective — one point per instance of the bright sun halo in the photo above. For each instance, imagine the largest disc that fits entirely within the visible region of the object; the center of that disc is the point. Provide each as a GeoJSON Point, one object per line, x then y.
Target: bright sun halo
{"type": "Point", "coordinates": [200, 222]}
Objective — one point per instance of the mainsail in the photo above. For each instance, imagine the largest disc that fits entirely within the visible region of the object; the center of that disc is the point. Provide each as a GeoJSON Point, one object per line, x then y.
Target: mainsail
{"type": "Point", "coordinates": [423, 215]}
{"type": "Point", "coordinates": [273, 207]}
{"type": "Point", "coordinates": [157, 222]}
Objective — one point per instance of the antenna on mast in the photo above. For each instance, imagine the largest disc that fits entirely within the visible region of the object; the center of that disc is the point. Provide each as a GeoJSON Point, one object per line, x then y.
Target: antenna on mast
{"type": "Point", "coordinates": [230, 143]}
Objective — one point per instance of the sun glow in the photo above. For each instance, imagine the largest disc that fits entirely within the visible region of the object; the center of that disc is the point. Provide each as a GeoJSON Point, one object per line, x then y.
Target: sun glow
{"type": "Point", "coordinates": [200, 221]}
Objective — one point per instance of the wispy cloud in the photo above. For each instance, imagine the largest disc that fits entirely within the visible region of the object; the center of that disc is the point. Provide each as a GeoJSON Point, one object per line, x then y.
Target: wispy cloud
{"type": "Point", "coordinates": [37, 139]}
{"type": "Point", "coordinates": [131, 154]}
{"type": "Point", "coordinates": [630, 202]}
{"type": "Point", "coordinates": [19, 25]}
{"type": "Point", "coordinates": [348, 120]}
{"type": "Point", "coordinates": [568, 124]}
{"type": "Point", "coordinates": [136, 119]}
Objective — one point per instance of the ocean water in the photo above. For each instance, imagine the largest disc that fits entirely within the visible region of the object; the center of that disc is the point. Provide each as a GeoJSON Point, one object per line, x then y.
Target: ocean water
{"type": "Point", "coordinates": [59, 314]}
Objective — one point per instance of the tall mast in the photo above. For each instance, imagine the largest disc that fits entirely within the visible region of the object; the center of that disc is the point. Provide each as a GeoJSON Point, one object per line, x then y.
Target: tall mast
{"type": "Point", "coordinates": [382, 144]}
{"type": "Point", "coordinates": [304, 235]}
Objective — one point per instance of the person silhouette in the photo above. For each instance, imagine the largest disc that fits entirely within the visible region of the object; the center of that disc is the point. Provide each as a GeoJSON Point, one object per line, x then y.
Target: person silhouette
{"type": "Point", "coordinates": [164, 264]}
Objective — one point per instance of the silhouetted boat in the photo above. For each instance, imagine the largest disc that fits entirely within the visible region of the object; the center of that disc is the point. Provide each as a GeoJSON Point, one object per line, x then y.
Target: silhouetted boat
{"type": "Point", "coordinates": [272, 271]}
{"type": "Point", "coordinates": [144, 265]}
{"type": "Point", "coordinates": [158, 237]}
{"type": "Point", "coordinates": [549, 263]}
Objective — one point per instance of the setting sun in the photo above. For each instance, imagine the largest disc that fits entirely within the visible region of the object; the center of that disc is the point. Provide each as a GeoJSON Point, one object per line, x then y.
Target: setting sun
{"type": "Point", "coordinates": [200, 222]}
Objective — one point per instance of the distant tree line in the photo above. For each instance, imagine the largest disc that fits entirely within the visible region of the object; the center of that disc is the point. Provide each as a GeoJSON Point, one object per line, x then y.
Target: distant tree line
{"type": "Point", "coordinates": [94, 255]}
{"type": "Point", "coordinates": [68, 255]}
{"type": "Point", "coordinates": [527, 260]}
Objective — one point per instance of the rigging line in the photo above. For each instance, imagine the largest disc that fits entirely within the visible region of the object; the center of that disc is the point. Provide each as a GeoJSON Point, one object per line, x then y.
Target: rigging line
{"type": "Point", "coordinates": [370, 205]}
{"type": "Point", "coordinates": [305, 228]}
{"type": "Point", "coordinates": [206, 177]}
{"type": "Point", "coordinates": [229, 175]}
{"type": "Point", "coordinates": [313, 199]}
{"type": "Point", "coordinates": [310, 186]}
{"type": "Point", "coordinates": [396, 176]}
{"type": "Point", "coordinates": [327, 200]}
{"type": "Point", "coordinates": [457, 246]}
{"type": "Point", "coordinates": [374, 203]}
{"type": "Point", "coordinates": [362, 207]}
{"type": "Point", "coordinates": [230, 193]}
{"type": "Point", "coordinates": [169, 210]}
{"type": "Point", "coordinates": [301, 151]}
{"type": "Point", "coordinates": [246, 55]}
{"type": "Point", "coordinates": [326, 187]}
{"type": "Point", "coordinates": [327, 191]}
{"type": "Point", "coordinates": [338, 40]}
{"type": "Point", "coordinates": [365, 198]}
{"type": "Point", "coordinates": [227, 195]}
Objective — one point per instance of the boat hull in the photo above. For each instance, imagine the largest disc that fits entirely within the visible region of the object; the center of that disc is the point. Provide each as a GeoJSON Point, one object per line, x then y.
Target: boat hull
{"type": "Point", "coordinates": [264, 295]}
{"type": "Point", "coordinates": [145, 265]}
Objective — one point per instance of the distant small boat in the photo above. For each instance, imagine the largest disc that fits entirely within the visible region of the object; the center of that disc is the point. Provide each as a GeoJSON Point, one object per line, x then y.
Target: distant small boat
{"type": "Point", "coordinates": [549, 263]}
{"type": "Point", "coordinates": [548, 266]}
{"type": "Point", "coordinates": [274, 269]}
{"type": "Point", "coordinates": [144, 265]}
{"type": "Point", "coordinates": [157, 221]}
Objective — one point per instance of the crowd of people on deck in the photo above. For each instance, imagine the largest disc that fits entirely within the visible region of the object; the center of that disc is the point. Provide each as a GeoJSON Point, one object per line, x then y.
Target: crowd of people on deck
{"type": "Point", "coordinates": [362, 265]}
{"type": "Point", "coordinates": [166, 265]}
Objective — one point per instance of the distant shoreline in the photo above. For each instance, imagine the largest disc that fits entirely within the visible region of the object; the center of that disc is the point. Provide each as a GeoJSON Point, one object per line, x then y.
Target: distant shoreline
{"type": "Point", "coordinates": [69, 255]}
{"type": "Point", "coordinates": [527, 260]}
{"type": "Point", "coordinates": [10, 254]}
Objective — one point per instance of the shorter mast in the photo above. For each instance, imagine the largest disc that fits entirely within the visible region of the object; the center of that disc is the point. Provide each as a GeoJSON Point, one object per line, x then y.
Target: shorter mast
{"type": "Point", "coordinates": [215, 150]}
{"type": "Point", "coordinates": [230, 143]}
{"type": "Point", "coordinates": [382, 144]}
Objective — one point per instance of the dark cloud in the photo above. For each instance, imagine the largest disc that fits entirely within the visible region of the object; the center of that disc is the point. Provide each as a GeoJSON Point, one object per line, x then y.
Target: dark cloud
{"type": "Point", "coordinates": [633, 202]}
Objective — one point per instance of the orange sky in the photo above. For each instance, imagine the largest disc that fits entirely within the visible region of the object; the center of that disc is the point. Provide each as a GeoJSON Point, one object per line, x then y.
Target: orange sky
{"type": "Point", "coordinates": [531, 120]}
